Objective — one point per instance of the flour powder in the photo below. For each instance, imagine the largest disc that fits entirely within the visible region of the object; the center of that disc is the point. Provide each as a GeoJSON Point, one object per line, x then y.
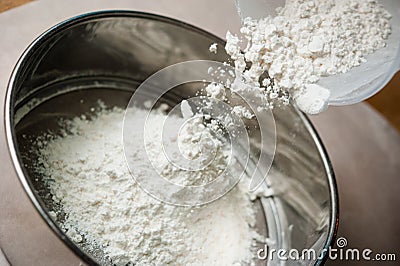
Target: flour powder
{"type": "Point", "coordinates": [307, 40]}
{"type": "Point", "coordinates": [87, 175]}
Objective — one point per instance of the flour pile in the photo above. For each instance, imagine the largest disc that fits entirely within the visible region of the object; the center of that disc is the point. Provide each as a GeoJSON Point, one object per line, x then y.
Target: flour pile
{"type": "Point", "coordinates": [87, 175]}
{"type": "Point", "coordinates": [307, 40]}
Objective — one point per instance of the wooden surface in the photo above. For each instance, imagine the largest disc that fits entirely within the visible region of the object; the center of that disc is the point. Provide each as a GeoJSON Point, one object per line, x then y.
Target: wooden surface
{"type": "Point", "coordinates": [8, 4]}
{"type": "Point", "coordinates": [387, 102]}
{"type": "Point", "coordinates": [364, 150]}
{"type": "Point", "coordinates": [363, 147]}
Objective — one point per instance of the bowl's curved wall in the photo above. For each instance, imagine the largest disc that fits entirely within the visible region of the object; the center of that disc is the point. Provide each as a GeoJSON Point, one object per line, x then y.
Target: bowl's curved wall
{"type": "Point", "coordinates": [124, 48]}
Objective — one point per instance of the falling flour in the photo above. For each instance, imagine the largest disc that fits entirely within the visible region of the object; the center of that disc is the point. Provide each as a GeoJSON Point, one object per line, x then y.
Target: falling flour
{"type": "Point", "coordinates": [305, 41]}
{"type": "Point", "coordinates": [87, 175]}
{"type": "Point", "coordinates": [213, 48]}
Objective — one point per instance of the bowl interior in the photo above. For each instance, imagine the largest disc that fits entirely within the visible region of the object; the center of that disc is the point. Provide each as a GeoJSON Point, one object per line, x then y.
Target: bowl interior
{"type": "Point", "coordinates": [106, 56]}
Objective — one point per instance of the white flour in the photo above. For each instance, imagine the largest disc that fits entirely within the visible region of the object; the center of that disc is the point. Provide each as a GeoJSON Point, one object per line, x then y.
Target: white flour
{"type": "Point", "coordinates": [213, 48]}
{"type": "Point", "coordinates": [242, 112]}
{"type": "Point", "coordinates": [87, 174]}
{"type": "Point", "coordinates": [307, 40]}
{"type": "Point", "coordinates": [216, 90]}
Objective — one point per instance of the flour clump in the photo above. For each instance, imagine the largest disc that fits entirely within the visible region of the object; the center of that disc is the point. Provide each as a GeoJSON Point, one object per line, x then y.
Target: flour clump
{"type": "Point", "coordinates": [305, 41]}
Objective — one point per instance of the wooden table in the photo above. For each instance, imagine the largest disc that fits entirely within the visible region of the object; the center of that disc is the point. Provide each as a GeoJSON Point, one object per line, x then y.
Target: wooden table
{"type": "Point", "coordinates": [364, 149]}
{"type": "Point", "coordinates": [8, 4]}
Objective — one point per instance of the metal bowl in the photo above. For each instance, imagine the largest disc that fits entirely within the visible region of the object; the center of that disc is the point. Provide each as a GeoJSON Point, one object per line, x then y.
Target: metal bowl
{"type": "Point", "coordinates": [106, 55]}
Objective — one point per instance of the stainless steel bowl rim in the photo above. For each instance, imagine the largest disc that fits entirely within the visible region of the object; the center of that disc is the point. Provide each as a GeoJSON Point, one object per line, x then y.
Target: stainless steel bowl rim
{"type": "Point", "coordinates": [27, 185]}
